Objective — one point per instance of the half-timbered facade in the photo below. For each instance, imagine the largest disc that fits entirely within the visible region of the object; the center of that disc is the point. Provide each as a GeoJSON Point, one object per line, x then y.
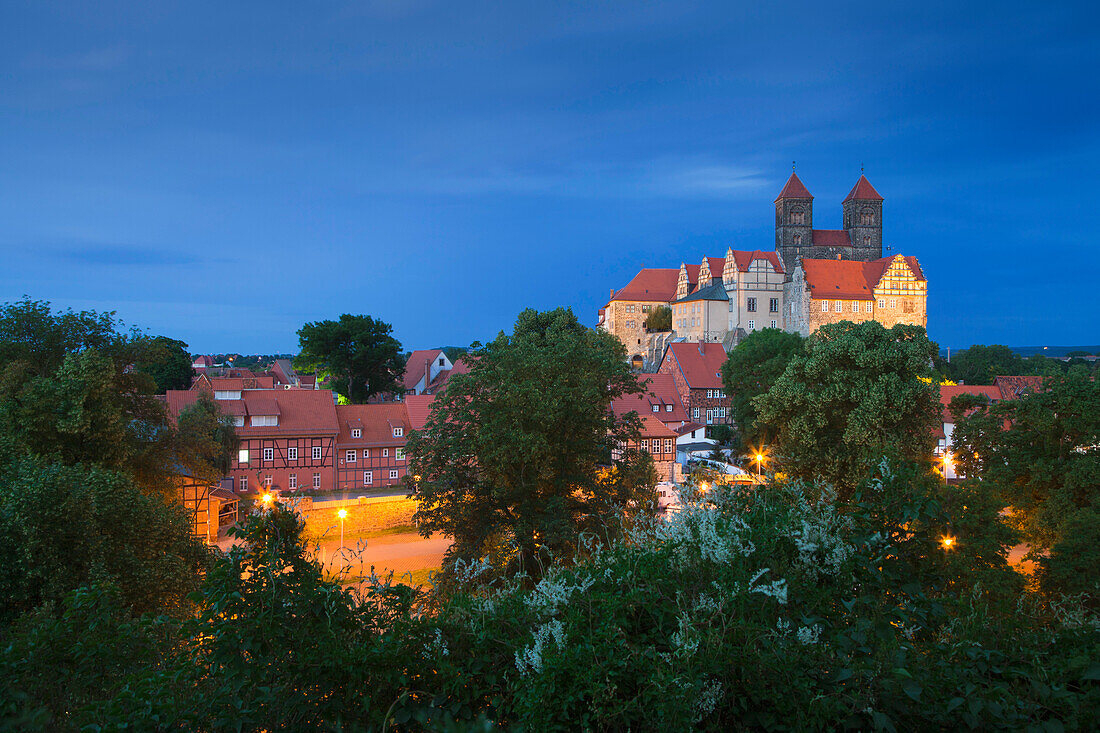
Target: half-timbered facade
{"type": "Point", "coordinates": [370, 447]}
{"type": "Point", "coordinates": [696, 369]}
{"type": "Point", "coordinates": [287, 438]}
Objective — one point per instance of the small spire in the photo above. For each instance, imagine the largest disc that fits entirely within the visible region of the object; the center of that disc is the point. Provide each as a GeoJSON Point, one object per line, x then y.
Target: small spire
{"type": "Point", "coordinates": [792, 166]}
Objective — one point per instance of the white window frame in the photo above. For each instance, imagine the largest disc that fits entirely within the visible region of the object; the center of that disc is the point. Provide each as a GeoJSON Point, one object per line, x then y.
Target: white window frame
{"type": "Point", "coordinates": [882, 302]}
{"type": "Point", "coordinates": [316, 480]}
{"type": "Point", "coordinates": [356, 433]}
{"type": "Point", "coordinates": [349, 456]}
{"type": "Point", "coordinates": [315, 453]}
{"type": "Point", "coordinates": [269, 454]}
{"type": "Point", "coordinates": [385, 452]}
{"type": "Point", "coordinates": [696, 413]}
{"type": "Point", "coordinates": [243, 483]}
{"type": "Point", "coordinates": [398, 432]}
{"type": "Point", "coordinates": [292, 481]}
{"type": "Point", "coordinates": [824, 306]}
{"type": "Point", "coordinates": [393, 473]}
{"type": "Point", "coordinates": [368, 478]}
{"type": "Point", "coordinates": [752, 325]}
{"type": "Point", "coordinates": [292, 453]}
{"type": "Point", "coordinates": [399, 454]}
{"type": "Point", "coordinates": [242, 456]}
{"type": "Point", "coordinates": [838, 306]}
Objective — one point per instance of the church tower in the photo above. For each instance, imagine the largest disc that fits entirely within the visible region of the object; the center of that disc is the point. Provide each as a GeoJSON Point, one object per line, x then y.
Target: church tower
{"type": "Point", "coordinates": [794, 222]}
{"type": "Point", "coordinates": [863, 220]}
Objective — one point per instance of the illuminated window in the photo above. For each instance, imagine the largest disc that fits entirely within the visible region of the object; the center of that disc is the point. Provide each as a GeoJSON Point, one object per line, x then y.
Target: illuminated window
{"type": "Point", "coordinates": [242, 455]}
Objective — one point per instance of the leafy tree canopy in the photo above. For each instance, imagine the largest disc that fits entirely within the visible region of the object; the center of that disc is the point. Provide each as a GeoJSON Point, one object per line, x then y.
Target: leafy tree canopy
{"type": "Point", "coordinates": [357, 355]}
{"type": "Point", "coordinates": [859, 392]}
{"type": "Point", "coordinates": [522, 450]}
{"type": "Point", "coordinates": [751, 369]}
{"type": "Point", "coordinates": [979, 364]}
{"type": "Point", "coordinates": [168, 362]}
{"type": "Point", "coordinates": [62, 527]}
{"type": "Point", "coordinates": [205, 440]}
{"type": "Point", "coordinates": [659, 319]}
{"type": "Point", "coordinates": [1040, 453]}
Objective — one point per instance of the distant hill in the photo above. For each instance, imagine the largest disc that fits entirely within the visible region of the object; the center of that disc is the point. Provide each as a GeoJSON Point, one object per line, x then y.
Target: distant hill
{"type": "Point", "coordinates": [1051, 351]}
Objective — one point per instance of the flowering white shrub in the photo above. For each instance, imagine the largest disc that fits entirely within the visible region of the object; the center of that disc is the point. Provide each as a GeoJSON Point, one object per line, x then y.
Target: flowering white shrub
{"type": "Point", "coordinates": [529, 659]}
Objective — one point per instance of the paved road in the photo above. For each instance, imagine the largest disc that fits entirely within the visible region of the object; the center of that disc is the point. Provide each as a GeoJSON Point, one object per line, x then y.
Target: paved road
{"type": "Point", "coordinates": [401, 553]}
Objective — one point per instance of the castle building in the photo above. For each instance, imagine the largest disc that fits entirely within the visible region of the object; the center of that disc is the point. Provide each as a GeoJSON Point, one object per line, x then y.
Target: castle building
{"type": "Point", "coordinates": [890, 290]}
{"type": "Point", "coordinates": [721, 300]}
{"type": "Point", "coordinates": [795, 236]}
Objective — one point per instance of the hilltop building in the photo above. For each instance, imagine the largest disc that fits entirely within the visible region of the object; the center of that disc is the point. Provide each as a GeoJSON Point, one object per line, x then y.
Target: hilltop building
{"type": "Point", "coordinates": [814, 276]}
{"type": "Point", "coordinates": [890, 290]}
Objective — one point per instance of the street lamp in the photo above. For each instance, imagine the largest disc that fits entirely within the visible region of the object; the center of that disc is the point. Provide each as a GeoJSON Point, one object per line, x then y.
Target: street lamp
{"type": "Point", "coordinates": [947, 542]}
{"type": "Point", "coordinates": [759, 458]}
{"type": "Point", "coordinates": [267, 499]}
{"type": "Point", "coordinates": [342, 514]}
{"type": "Point", "coordinates": [946, 459]}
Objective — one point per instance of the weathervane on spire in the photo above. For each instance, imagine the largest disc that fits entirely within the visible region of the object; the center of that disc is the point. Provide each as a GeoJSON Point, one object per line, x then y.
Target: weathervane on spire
{"type": "Point", "coordinates": [792, 166]}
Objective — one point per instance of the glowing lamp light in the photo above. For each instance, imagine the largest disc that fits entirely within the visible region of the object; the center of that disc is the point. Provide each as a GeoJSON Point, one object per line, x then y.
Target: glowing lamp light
{"type": "Point", "coordinates": [268, 498]}
{"type": "Point", "coordinates": [342, 513]}
{"type": "Point", "coordinates": [947, 542]}
{"type": "Point", "coordinates": [759, 457]}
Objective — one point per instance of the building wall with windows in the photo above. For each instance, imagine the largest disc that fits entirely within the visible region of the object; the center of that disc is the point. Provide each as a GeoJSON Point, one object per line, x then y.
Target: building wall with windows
{"type": "Point", "coordinates": [890, 290]}
{"type": "Point", "coordinates": [287, 438]}
{"type": "Point", "coordinates": [696, 371]}
{"type": "Point", "coordinates": [370, 447]}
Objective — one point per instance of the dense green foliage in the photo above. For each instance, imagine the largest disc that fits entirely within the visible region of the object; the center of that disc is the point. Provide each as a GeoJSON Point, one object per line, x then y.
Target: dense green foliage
{"type": "Point", "coordinates": [980, 364]}
{"type": "Point", "coordinates": [1040, 454]}
{"type": "Point", "coordinates": [87, 465]}
{"type": "Point", "coordinates": [205, 440]}
{"type": "Point", "coordinates": [777, 609]}
{"type": "Point", "coordinates": [659, 319]}
{"type": "Point", "coordinates": [751, 369]}
{"type": "Point", "coordinates": [518, 453]}
{"type": "Point", "coordinates": [357, 356]}
{"type": "Point", "coordinates": [168, 362]}
{"type": "Point", "coordinates": [857, 393]}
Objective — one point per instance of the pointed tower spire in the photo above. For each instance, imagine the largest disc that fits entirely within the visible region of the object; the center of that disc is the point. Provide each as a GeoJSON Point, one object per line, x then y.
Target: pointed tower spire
{"type": "Point", "coordinates": [863, 190]}
{"type": "Point", "coordinates": [793, 189]}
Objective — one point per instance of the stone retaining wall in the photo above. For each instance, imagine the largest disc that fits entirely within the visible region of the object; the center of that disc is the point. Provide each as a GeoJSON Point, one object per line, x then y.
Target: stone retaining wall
{"type": "Point", "coordinates": [368, 514]}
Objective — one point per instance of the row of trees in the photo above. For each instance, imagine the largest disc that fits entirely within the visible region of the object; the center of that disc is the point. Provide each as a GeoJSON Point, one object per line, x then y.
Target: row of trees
{"type": "Point", "coordinates": [828, 598]}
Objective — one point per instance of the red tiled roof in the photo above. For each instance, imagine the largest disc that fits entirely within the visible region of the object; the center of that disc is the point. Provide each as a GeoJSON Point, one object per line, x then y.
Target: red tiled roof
{"type": "Point", "coordinates": [700, 370]}
{"type": "Point", "coordinates": [863, 191]}
{"type": "Point", "coordinates": [794, 189]}
{"type": "Point", "coordinates": [688, 427]}
{"type": "Point", "coordinates": [654, 428]}
{"type": "Point", "coordinates": [744, 259]}
{"type": "Point", "coordinates": [849, 279]}
{"type": "Point", "coordinates": [418, 407]}
{"type": "Point", "coordinates": [660, 390]}
{"type": "Point", "coordinates": [1012, 387]}
{"type": "Point", "coordinates": [717, 264]}
{"type": "Point", "coordinates": [651, 284]}
{"type": "Point", "coordinates": [228, 384]}
{"type": "Point", "coordinates": [301, 412]}
{"type": "Point", "coordinates": [949, 392]}
{"type": "Point", "coordinates": [831, 238]}
{"type": "Point", "coordinates": [417, 362]}
{"type": "Point", "coordinates": [377, 422]}
{"type": "Point", "coordinates": [461, 366]}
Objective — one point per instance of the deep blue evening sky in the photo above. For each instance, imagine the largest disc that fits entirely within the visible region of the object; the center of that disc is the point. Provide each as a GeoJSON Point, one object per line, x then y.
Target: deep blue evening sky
{"type": "Point", "coordinates": [222, 175]}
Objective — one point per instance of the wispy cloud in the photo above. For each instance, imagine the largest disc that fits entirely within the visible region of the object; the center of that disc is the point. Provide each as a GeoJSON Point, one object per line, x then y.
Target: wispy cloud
{"type": "Point", "coordinates": [121, 255]}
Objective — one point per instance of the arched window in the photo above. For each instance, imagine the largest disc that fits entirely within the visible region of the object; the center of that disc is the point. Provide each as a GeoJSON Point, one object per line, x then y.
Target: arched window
{"type": "Point", "coordinates": [797, 218]}
{"type": "Point", "coordinates": [867, 217]}
{"type": "Point", "coordinates": [866, 240]}
{"type": "Point", "coordinates": [797, 239]}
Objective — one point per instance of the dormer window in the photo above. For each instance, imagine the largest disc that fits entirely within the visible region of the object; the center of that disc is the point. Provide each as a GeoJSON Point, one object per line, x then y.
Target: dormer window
{"type": "Point", "coordinates": [668, 408]}
{"type": "Point", "coordinates": [227, 394]}
{"type": "Point", "coordinates": [264, 420]}
{"type": "Point", "coordinates": [238, 421]}
{"type": "Point", "coordinates": [398, 432]}
{"type": "Point", "coordinates": [356, 433]}
{"type": "Point", "coordinates": [656, 408]}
